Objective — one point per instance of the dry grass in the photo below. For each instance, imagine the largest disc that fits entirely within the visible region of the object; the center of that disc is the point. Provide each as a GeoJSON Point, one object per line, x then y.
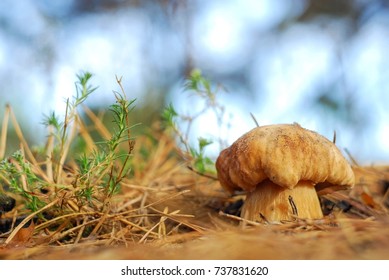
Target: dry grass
{"type": "Point", "coordinates": [167, 211]}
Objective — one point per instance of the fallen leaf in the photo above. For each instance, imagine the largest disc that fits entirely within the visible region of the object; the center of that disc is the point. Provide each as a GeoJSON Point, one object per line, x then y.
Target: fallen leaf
{"type": "Point", "coordinates": [23, 235]}
{"type": "Point", "coordinates": [369, 201]}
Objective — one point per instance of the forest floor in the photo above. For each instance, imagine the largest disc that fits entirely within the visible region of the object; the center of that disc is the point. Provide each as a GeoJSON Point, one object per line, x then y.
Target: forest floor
{"type": "Point", "coordinates": [167, 211]}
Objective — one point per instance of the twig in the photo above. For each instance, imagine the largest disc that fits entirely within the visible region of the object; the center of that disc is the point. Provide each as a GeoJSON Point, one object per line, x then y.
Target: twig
{"type": "Point", "coordinates": [4, 129]}
{"type": "Point", "coordinates": [221, 213]}
{"type": "Point", "coordinates": [351, 157]}
{"type": "Point", "coordinates": [202, 174]}
{"type": "Point", "coordinates": [27, 219]}
{"type": "Point", "coordinates": [254, 119]}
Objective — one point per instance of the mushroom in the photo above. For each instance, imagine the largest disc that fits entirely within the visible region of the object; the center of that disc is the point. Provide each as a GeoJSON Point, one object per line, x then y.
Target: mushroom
{"type": "Point", "coordinates": [281, 167]}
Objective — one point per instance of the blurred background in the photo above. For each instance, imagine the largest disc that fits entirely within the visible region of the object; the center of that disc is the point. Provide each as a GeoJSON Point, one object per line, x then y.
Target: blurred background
{"type": "Point", "coordinates": [321, 63]}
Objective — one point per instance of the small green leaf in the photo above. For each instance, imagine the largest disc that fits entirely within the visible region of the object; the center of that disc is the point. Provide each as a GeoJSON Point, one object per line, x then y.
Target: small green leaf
{"type": "Point", "coordinates": [168, 115]}
{"type": "Point", "coordinates": [203, 142]}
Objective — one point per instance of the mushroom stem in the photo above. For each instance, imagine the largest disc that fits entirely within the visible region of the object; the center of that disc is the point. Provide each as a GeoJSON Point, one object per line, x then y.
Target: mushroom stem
{"type": "Point", "coordinates": [273, 203]}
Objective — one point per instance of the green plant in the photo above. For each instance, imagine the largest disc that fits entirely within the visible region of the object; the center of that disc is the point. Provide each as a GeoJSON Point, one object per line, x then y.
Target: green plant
{"type": "Point", "coordinates": [22, 180]}
{"type": "Point", "coordinates": [107, 165]}
{"type": "Point", "coordinates": [97, 174]}
{"type": "Point", "coordinates": [181, 124]}
{"type": "Point", "coordinates": [60, 138]}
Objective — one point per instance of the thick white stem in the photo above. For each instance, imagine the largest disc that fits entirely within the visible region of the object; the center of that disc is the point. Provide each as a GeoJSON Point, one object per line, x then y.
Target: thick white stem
{"type": "Point", "coordinates": [270, 202]}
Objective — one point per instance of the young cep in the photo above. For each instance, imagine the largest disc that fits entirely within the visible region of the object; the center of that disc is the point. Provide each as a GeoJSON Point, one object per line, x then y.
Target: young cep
{"type": "Point", "coordinates": [281, 168]}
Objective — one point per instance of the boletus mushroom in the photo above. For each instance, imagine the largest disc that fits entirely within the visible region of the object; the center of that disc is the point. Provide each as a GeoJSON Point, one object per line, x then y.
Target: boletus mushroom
{"type": "Point", "coordinates": [281, 167]}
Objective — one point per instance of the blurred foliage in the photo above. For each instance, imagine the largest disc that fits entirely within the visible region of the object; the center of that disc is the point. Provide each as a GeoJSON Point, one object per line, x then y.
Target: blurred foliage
{"type": "Point", "coordinates": [177, 18]}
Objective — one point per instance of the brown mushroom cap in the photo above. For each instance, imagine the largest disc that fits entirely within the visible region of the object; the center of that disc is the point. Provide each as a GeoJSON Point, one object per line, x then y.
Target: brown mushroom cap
{"type": "Point", "coordinates": [285, 154]}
